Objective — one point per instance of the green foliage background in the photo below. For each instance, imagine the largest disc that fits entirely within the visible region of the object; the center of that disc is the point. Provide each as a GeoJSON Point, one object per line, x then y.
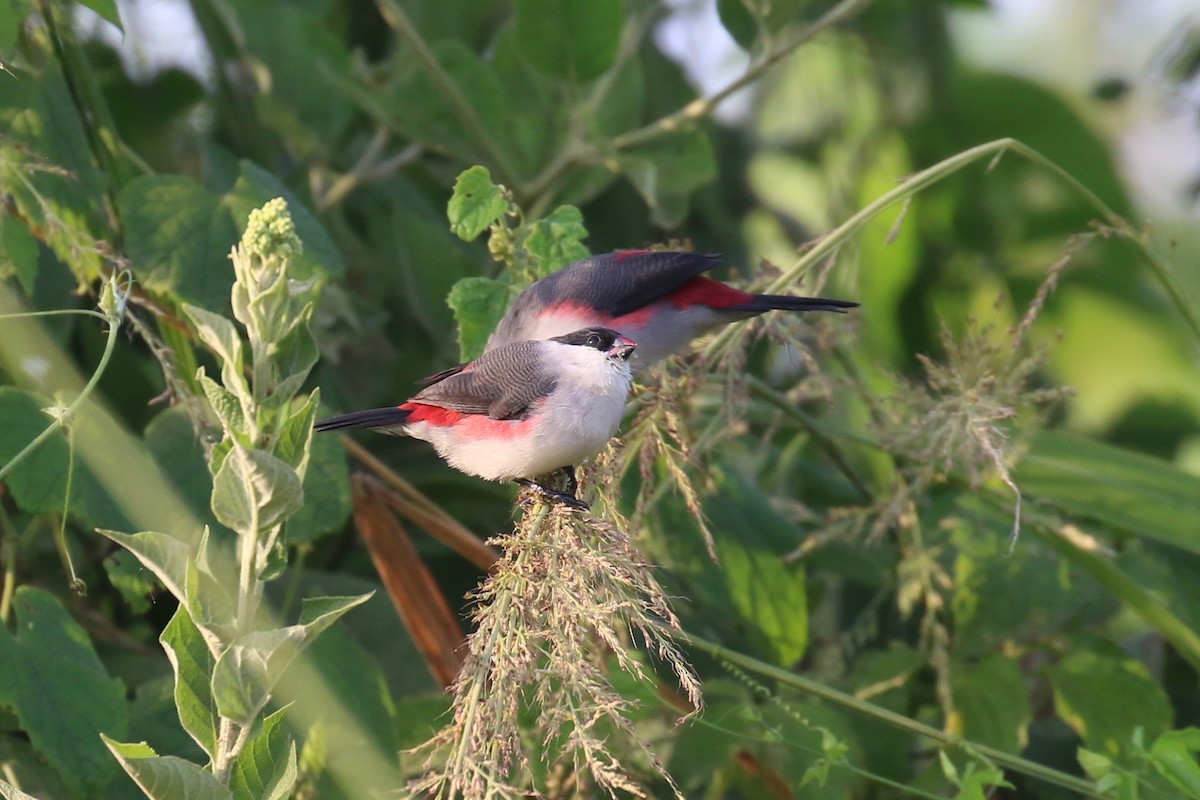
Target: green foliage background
{"type": "Point", "coordinates": [858, 551]}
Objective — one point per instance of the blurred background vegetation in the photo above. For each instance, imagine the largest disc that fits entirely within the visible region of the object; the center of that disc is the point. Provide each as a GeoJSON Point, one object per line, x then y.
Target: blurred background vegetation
{"type": "Point", "coordinates": [856, 473]}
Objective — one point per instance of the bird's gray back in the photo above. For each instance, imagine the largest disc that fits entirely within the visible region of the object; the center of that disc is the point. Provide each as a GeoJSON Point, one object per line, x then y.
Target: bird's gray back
{"type": "Point", "coordinates": [505, 383]}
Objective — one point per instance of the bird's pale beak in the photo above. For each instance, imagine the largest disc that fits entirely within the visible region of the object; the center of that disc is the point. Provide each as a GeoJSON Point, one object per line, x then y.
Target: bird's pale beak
{"type": "Point", "coordinates": [622, 348]}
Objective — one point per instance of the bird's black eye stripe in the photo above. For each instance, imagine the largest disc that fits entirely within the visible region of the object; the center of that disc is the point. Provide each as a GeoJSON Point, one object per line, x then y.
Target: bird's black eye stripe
{"type": "Point", "coordinates": [598, 338]}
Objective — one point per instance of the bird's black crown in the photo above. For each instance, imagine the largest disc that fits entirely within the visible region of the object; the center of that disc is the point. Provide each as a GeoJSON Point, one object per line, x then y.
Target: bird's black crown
{"type": "Point", "coordinates": [601, 339]}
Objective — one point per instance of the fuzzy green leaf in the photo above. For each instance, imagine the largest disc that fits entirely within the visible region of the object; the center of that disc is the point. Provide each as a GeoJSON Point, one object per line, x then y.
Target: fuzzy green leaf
{"type": "Point", "coordinates": [556, 240]}
{"type": "Point", "coordinates": [574, 40]}
{"type": "Point", "coordinates": [478, 304]}
{"type": "Point", "coordinates": [52, 680]}
{"type": "Point", "coordinates": [475, 204]}
{"type": "Point", "coordinates": [166, 556]}
{"type": "Point", "coordinates": [221, 336]}
{"type": "Point", "coordinates": [266, 769]}
{"type": "Point", "coordinates": [326, 492]}
{"type": "Point", "coordinates": [226, 407]}
{"type": "Point", "coordinates": [7, 790]}
{"type": "Point", "coordinates": [165, 777]}
{"type": "Point", "coordinates": [254, 488]}
{"type": "Point", "coordinates": [192, 663]}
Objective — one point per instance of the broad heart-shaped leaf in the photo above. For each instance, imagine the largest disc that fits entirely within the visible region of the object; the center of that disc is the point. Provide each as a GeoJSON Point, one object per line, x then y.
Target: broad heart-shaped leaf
{"type": "Point", "coordinates": [1104, 695]}
{"type": "Point", "coordinates": [266, 769]}
{"type": "Point", "coordinates": [478, 304]}
{"type": "Point", "coordinates": [52, 680]}
{"type": "Point", "coordinates": [131, 579]}
{"type": "Point", "coordinates": [556, 240]}
{"type": "Point", "coordinates": [165, 777]}
{"type": "Point", "coordinates": [247, 671]}
{"type": "Point", "coordinates": [1113, 486]}
{"type": "Point", "coordinates": [475, 204]}
{"type": "Point", "coordinates": [251, 488]}
{"type": "Point", "coordinates": [666, 173]}
{"type": "Point", "coordinates": [178, 235]}
{"type": "Point", "coordinates": [574, 40]}
{"type": "Point", "coordinates": [192, 663]}
{"type": "Point", "coordinates": [991, 702]}
{"type": "Point", "coordinates": [39, 483]}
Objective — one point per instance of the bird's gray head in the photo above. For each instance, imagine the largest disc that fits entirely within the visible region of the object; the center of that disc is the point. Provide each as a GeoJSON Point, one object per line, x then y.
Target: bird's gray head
{"type": "Point", "coordinates": [606, 340]}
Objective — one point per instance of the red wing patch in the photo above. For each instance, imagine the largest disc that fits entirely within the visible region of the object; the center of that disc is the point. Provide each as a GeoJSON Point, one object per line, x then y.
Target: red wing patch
{"type": "Point", "coordinates": [434, 415]}
{"type": "Point", "coordinates": [472, 426]}
{"type": "Point", "coordinates": [710, 293]}
{"type": "Point", "coordinates": [624, 254]}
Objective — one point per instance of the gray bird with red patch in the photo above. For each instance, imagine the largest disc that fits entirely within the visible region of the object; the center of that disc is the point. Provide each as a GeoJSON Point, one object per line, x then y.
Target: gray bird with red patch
{"type": "Point", "coordinates": [520, 411]}
{"type": "Point", "coordinates": [659, 298]}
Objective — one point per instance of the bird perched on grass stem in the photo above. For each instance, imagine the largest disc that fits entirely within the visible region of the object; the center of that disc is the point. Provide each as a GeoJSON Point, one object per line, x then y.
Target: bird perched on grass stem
{"type": "Point", "coordinates": [520, 411]}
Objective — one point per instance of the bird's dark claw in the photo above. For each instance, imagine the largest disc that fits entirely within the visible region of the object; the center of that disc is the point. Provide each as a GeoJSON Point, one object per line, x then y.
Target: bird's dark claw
{"type": "Point", "coordinates": [566, 498]}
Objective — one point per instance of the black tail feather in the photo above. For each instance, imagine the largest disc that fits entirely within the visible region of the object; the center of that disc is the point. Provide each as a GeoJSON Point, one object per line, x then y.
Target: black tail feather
{"type": "Point", "coordinates": [783, 302]}
{"type": "Point", "coordinates": [391, 417]}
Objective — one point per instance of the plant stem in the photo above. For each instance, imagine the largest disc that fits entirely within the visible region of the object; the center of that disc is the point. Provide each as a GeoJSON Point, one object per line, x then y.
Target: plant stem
{"type": "Point", "coordinates": [395, 16]}
{"type": "Point", "coordinates": [1016, 763]}
{"type": "Point", "coordinates": [704, 106]}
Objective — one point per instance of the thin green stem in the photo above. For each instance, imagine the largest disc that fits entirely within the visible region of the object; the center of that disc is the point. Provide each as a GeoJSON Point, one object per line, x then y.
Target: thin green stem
{"type": "Point", "coordinates": [60, 534]}
{"type": "Point", "coordinates": [114, 326]}
{"type": "Point", "coordinates": [62, 312]}
{"type": "Point", "coordinates": [8, 555]}
{"type": "Point", "coordinates": [799, 682]}
{"type": "Point", "coordinates": [395, 16]}
{"type": "Point", "coordinates": [702, 107]}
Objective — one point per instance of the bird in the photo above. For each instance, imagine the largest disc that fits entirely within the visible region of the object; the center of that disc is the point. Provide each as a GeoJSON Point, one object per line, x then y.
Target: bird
{"type": "Point", "coordinates": [660, 298]}
{"type": "Point", "coordinates": [520, 411]}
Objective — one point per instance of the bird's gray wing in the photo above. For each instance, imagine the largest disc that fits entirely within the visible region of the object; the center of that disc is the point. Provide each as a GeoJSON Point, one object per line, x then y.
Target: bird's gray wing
{"type": "Point", "coordinates": [505, 383]}
{"type": "Point", "coordinates": [620, 282]}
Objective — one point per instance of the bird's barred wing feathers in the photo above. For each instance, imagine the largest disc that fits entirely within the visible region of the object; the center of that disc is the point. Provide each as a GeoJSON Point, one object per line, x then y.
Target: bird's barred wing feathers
{"type": "Point", "coordinates": [505, 383]}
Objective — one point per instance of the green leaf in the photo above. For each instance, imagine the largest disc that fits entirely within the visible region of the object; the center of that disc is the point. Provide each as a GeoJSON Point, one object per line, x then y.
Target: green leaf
{"type": "Point", "coordinates": [475, 204]}
{"type": "Point", "coordinates": [46, 168]}
{"type": "Point", "coordinates": [1174, 756]}
{"type": "Point", "coordinates": [247, 671]}
{"type": "Point", "coordinates": [130, 579]}
{"type": "Point", "coordinates": [478, 304]}
{"type": "Point", "coordinates": [666, 173]}
{"type": "Point", "coordinates": [992, 702]}
{"type": "Point", "coordinates": [574, 40]}
{"type": "Point", "coordinates": [11, 17]}
{"type": "Point", "coordinates": [192, 663]}
{"type": "Point", "coordinates": [166, 777]}
{"type": "Point", "coordinates": [18, 253]}
{"type": "Point", "coordinates": [166, 556]}
{"type": "Point", "coordinates": [750, 21]}
{"type": "Point", "coordinates": [221, 336]}
{"type": "Point", "coordinates": [226, 407]}
{"type": "Point", "coordinates": [107, 9]}
{"type": "Point", "coordinates": [254, 488]}
{"type": "Point", "coordinates": [294, 442]}
{"type": "Point", "coordinates": [52, 680]}
{"type": "Point", "coordinates": [326, 493]}
{"type": "Point", "coordinates": [266, 769]}
{"type": "Point", "coordinates": [556, 241]}
{"type": "Point", "coordinates": [1105, 695]}
{"type": "Point", "coordinates": [1113, 486]}
{"type": "Point", "coordinates": [178, 236]}
{"type": "Point", "coordinates": [172, 441]}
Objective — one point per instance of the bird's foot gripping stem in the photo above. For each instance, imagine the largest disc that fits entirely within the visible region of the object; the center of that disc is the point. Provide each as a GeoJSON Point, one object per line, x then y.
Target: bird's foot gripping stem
{"type": "Point", "coordinates": [566, 497]}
